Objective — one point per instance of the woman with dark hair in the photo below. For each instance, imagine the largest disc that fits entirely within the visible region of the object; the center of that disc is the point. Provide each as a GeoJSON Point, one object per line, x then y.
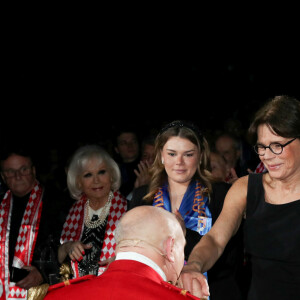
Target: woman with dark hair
{"type": "Point", "coordinates": [270, 203]}
{"type": "Point", "coordinates": [182, 183]}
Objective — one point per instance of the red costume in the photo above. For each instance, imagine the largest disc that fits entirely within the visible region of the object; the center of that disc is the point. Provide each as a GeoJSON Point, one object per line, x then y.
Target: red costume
{"type": "Point", "coordinates": [123, 279]}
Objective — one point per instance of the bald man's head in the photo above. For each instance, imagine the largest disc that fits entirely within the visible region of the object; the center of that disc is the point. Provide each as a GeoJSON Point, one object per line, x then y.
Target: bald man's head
{"type": "Point", "coordinates": [149, 223]}
{"type": "Point", "coordinates": [155, 233]}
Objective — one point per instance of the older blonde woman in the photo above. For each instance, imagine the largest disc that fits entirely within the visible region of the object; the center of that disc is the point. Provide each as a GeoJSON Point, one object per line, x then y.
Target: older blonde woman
{"type": "Point", "coordinates": [88, 234]}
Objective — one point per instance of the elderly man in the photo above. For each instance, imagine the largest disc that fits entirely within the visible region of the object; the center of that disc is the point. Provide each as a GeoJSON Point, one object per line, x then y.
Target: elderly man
{"type": "Point", "coordinates": [29, 218]}
{"type": "Point", "coordinates": [149, 259]}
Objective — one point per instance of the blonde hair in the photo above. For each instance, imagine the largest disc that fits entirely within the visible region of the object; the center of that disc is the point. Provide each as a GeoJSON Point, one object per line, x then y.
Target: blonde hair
{"type": "Point", "coordinates": [79, 160]}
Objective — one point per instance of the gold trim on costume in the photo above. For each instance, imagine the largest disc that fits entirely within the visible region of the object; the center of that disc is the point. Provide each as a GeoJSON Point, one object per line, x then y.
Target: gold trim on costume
{"type": "Point", "coordinates": [67, 282]}
{"type": "Point", "coordinates": [183, 292]}
{"type": "Point", "coordinates": [38, 292]}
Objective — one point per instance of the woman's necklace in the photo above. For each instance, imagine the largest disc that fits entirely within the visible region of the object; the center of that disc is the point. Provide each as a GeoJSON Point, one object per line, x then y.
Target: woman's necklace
{"type": "Point", "coordinates": [101, 217]}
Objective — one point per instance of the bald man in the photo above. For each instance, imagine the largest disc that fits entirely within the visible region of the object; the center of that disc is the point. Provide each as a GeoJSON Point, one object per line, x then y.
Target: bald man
{"type": "Point", "coordinates": [149, 259]}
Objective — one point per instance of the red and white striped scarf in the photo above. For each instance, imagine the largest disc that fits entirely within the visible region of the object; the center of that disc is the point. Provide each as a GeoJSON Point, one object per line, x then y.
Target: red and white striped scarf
{"type": "Point", "coordinates": [73, 227]}
{"type": "Point", "coordinates": [260, 168]}
{"type": "Point", "coordinates": [25, 242]}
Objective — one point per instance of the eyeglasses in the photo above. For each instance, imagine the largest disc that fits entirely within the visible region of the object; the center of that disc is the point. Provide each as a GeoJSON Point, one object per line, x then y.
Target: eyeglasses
{"type": "Point", "coordinates": [276, 148]}
{"type": "Point", "coordinates": [24, 171]}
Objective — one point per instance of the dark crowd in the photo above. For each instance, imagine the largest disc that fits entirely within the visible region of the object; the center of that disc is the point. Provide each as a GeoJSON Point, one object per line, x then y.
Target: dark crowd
{"type": "Point", "coordinates": [63, 195]}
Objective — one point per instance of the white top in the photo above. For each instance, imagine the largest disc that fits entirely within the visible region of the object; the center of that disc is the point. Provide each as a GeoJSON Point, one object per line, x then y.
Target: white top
{"type": "Point", "coordinates": [142, 259]}
{"type": "Point", "coordinates": [94, 212]}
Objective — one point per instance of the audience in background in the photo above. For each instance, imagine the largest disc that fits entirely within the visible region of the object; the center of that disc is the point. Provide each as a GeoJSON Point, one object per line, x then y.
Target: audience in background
{"type": "Point", "coordinates": [219, 167]}
{"type": "Point", "coordinates": [231, 149]}
{"type": "Point", "coordinates": [143, 169]}
{"type": "Point", "coordinates": [127, 155]}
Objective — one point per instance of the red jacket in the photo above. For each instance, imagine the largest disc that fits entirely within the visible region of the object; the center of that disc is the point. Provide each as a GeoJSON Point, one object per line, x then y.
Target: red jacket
{"type": "Point", "coordinates": [123, 279]}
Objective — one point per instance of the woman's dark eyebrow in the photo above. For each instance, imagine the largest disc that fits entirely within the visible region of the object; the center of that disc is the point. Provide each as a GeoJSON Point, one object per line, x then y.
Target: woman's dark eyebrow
{"type": "Point", "coordinates": [192, 150]}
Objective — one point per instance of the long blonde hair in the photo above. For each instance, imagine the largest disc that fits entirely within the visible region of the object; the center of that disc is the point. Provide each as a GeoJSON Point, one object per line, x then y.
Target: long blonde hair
{"type": "Point", "coordinates": [185, 130]}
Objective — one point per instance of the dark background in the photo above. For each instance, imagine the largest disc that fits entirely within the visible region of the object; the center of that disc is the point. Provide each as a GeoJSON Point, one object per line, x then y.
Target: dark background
{"type": "Point", "coordinates": [73, 81]}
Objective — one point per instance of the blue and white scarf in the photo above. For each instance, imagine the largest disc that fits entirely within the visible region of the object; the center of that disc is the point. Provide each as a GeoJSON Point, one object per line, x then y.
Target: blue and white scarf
{"type": "Point", "coordinates": [193, 208]}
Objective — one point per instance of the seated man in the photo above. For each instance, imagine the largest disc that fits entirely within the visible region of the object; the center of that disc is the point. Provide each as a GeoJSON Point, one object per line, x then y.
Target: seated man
{"type": "Point", "coordinates": [31, 218]}
{"type": "Point", "coordinates": [149, 258]}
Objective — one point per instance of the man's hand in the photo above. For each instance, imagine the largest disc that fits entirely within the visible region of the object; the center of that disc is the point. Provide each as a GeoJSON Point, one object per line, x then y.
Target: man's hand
{"type": "Point", "coordinates": [34, 278]}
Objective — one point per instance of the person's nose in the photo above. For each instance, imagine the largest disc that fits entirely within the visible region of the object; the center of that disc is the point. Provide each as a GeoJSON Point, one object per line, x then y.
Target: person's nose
{"type": "Point", "coordinates": [268, 154]}
{"type": "Point", "coordinates": [130, 144]}
{"type": "Point", "coordinates": [18, 174]}
{"type": "Point", "coordinates": [179, 160]}
{"type": "Point", "coordinates": [96, 179]}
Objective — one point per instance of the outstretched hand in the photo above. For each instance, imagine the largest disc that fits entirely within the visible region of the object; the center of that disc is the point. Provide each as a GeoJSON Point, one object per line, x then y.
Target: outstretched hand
{"type": "Point", "coordinates": [192, 280]}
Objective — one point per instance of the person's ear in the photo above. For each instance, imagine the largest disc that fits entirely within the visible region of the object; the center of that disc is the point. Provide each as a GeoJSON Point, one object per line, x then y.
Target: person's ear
{"type": "Point", "coordinates": [117, 150]}
{"type": "Point", "coordinates": [170, 249]}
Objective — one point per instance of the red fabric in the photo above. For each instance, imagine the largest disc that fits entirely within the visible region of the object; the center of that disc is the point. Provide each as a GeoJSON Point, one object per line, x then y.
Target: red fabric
{"type": "Point", "coordinates": [124, 279]}
{"type": "Point", "coordinates": [73, 227]}
{"type": "Point", "coordinates": [26, 240]}
{"type": "Point", "coordinates": [69, 282]}
{"type": "Point", "coordinates": [260, 168]}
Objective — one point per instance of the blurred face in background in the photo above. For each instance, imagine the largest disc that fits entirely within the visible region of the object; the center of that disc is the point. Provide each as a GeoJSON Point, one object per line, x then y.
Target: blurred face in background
{"type": "Point", "coordinates": [226, 147]}
{"type": "Point", "coordinates": [18, 174]}
{"type": "Point", "coordinates": [219, 167]}
{"type": "Point", "coordinates": [148, 154]}
{"type": "Point", "coordinates": [127, 146]}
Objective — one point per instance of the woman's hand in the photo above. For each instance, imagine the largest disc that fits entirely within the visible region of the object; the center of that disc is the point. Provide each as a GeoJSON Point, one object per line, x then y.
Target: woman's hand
{"type": "Point", "coordinates": [76, 249]}
{"type": "Point", "coordinates": [192, 280]}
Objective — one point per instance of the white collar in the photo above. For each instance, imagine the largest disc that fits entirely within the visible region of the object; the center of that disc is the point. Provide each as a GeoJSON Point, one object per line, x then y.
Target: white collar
{"type": "Point", "coordinates": [142, 259]}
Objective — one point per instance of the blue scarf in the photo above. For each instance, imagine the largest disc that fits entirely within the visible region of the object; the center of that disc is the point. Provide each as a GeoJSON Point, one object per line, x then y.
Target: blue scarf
{"type": "Point", "coordinates": [193, 208]}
